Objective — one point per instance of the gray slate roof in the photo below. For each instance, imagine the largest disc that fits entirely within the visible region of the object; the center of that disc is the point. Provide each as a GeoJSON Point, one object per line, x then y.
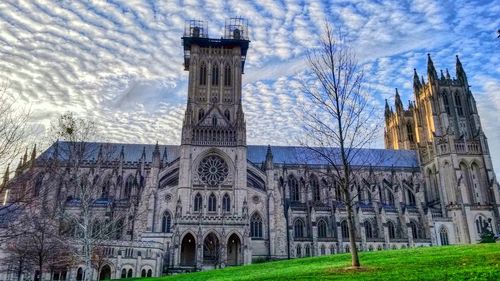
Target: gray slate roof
{"type": "Point", "coordinates": [256, 154]}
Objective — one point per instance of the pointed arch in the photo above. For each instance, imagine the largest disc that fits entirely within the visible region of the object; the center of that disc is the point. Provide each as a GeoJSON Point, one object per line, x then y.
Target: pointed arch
{"type": "Point", "coordinates": [129, 186]}
{"type": "Point", "coordinates": [227, 114]}
{"type": "Point", "coordinates": [212, 203]}
{"type": "Point", "coordinates": [198, 201]}
{"type": "Point", "coordinates": [298, 228]}
{"type": "Point", "coordinates": [322, 228]}
{"type": "Point", "coordinates": [203, 73]}
{"type": "Point", "coordinates": [344, 229]}
{"type": "Point", "coordinates": [368, 229]}
{"type": "Point", "coordinates": [227, 75]}
{"type": "Point", "coordinates": [314, 183]}
{"type": "Point", "coordinates": [256, 226]}
{"type": "Point", "coordinates": [215, 74]}
{"type": "Point", "coordinates": [391, 229]}
{"type": "Point", "coordinates": [443, 236]}
{"type": "Point", "coordinates": [294, 188]}
{"type": "Point", "coordinates": [226, 203]}
{"type": "Point", "coordinates": [458, 104]}
{"type": "Point", "coordinates": [201, 114]}
{"type": "Point", "coordinates": [166, 222]}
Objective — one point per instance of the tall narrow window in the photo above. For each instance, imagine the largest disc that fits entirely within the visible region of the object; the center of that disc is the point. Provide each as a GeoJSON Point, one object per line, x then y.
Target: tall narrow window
{"type": "Point", "coordinates": [443, 234]}
{"type": "Point", "coordinates": [409, 131]}
{"type": "Point", "coordinates": [411, 198]}
{"type": "Point", "coordinates": [315, 188]}
{"type": "Point", "coordinates": [298, 251]}
{"type": "Point", "coordinates": [446, 103]}
{"type": "Point", "coordinates": [368, 229]}
{"type": "Point", "coordinates": [203, 74]}
{"type": "Point", "coordinates": [166, 222]}
{"type": "Point", "coordinates": [227, 75]}
{"type": "Point", "coordinates": [391, 229]}
{"type": "Point", "coordinates": [226, 203]}
{"type": "Point", "coordinates": [215, 75]}
{"type": "Point", "coordinates": [458, 103]}
{"type": "Point", "coordinates": [256, 226]}
{"type": "Point", "coordinates": [416, 234]}
{"type": "Point", "coordinates": [201, 114]}
{"type": "Point", "coordinates": [227, 115]}
{"type": "Point", "coordinates": [298, 228]}
{"type": "Point", "coordinates": [294, 188]}
{"type": "Point", "coordinates": [197, 202]}
{"type": "Point", "coordinates": [322, 229]}
{"type": "Point", "coordinates": [344, 229]}
{"type": "Point", "coordinates": [212, 203]}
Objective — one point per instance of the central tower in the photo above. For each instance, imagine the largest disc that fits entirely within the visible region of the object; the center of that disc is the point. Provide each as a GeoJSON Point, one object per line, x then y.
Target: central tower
{"type": "Point", "coordinates": [214, 115]}
{"type": "Point", "coordinates": [213, 154]}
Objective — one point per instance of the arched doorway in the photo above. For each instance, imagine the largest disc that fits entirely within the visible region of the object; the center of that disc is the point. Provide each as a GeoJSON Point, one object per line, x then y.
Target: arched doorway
{"type": "Point", "coordinates": [234, 250]}
{"type": "Point", "coordinates": [211, 250]}
{"type": "Point", "coordinates": [188, 250]}
{"type": "Point", "coordinates": [105, 273]}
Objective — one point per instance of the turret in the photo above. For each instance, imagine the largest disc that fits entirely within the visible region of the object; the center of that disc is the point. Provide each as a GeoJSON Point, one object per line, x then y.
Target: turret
{"type": "Point", "coordinates": [164, 158]}
{"type": "Point", "coordinates": [269, 158]}
{"type": "Point", "coordinates": [388, 111]}
{"type": "Point", "coordinates": [397, 102]}
{"type": "Point", "coordinates": [461, 73]}
{"type": "Point", "coordinates": [442, 75]}
{"type": "Point", "coordinates": [448, 74]}
{"type": "Point", "coordinates": [416, 83]}
{"type": "Point", "coordinates": [431, 71]}
{"type": "Point", "coordinates": [33, 156]}
{"type": "Point", "coordinates": [156, 156]}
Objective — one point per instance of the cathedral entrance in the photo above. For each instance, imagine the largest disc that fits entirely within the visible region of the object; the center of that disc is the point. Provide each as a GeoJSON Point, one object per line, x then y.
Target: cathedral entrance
{"type": "Point", "coordinates": [188, 251]}
{"type": "Point", "coordinates": [234, 250]}
{"type": "Point", "coordinates": [211, 250]}
{"type": "Point", "coordinates": [105, 273]}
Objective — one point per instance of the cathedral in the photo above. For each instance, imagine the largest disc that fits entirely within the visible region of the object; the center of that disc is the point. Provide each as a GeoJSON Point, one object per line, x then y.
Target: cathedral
{"type": "Point", "coordinates": [215, 201]}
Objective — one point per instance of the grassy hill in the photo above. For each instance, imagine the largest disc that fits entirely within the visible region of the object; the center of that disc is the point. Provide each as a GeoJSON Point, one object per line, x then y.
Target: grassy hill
{"type": "Point", "coordinates": [471, 262]}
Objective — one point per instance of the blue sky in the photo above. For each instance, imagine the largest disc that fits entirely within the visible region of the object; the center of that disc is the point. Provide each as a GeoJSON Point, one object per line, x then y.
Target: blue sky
{"type": "Point", "coordinates": [120, 62]}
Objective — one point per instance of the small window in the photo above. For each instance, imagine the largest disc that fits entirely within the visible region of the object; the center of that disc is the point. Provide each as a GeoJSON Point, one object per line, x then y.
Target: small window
{"type": "Point", "coordinates": [227, 115]}
{"type": "Point", "coordinates": [166, 222]}
{"type": "Point", "coordinates": [203, 74]}
{"type": "Point", "coordinates": [299, 228]}
{"type": "Point", "coordinates": [443, 234]}
{"type": "Point", "coordinates": [322, 229]}
{"type": "Point", "coordinates": [391, 229]}
{"type": "Point", "coordinates": [446, 103]}
{"type": "Point", "coordinates": [201, 114]}
{"type": "Point", "coordinates": [215, 75]}
{"type": "Point", "coordinates": [256, 226]}
{"type": "Point", "coordinates": [344, 229]}
{"type": "Point", "coordinates": [458, 103]}
{"type": "Point", "coordinates": [212, 203]}
{"type": "Point", "coordinates": [130, 273]}
{"type": "Point", "coordinates": [227, 75]}
{"type": "Point", "coordinates": [197, 202]}
{"type": "Point", "coordinates": [226, 203]}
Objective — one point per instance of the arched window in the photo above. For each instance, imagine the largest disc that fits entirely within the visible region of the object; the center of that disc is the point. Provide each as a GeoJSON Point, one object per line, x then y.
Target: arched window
{"type": "Point", "coordinates": [124, 273]}
{"type": "Point", "coordinates": [338, 193]}
{"type": "Point", "coordinates": [215, 75]}
{"type": "Point", "coordinates": [79, 274]}
{"type": "Point", "coordinates": [119, 229]}
{"type": "Point", "coordinates": [105, 189]}
{"type": "Point", "coordinates": [203, 74]}
{"type": "Point", "coordinates": [344, 229]}
{"type": "Point", "coordinates": [143, 272]}
{"type": "Point", "coordinates": [226, 203]}
{"type": "Point", "coordinates": [332, 249]}
{"type": "Point", "coordinates": [298, 251]}
{"type": "Point", "coordinates": [315, 188]}
{"type": "Point", "coordinates": [150, 273]}
{"type": "Point", "coordinates": [458, 103]}
{"type": "Point", "coordinates": [214, 121]}
{"type": "Point", "coordinates": [308, 250]}
{"type": "Point", "coordinates": [130, 273]}
{"type": "Point", "coordinates": [411, 198]}
{"type": "Point", "coordinates": [368, 229]}
{"type": "Point", "coordinates": [227, 115]}
{"type": "Point", "coordinates": [212, 203]}
{"type": "Point", "coordinates": [256, 226]}
{"type": "Point", "coordinates": [443, 234]}
{"type": "Point", "coordinates": [227, 75]}
{"type": "Point", "coordinates": [391, 229]}
{"type": "Point", "coordinates": [129, 185]}
{"type": "Point", "coordinates": [323, 250]}
{"type": "Point", "coordinates": [294, 188]}
{"type": "Point", "coordinates": [416, 230]}
{"type": "Point", "coordinates": [197, 202]}
{"type": "Point", "coordinates": [166, 222]}
{"type": "Point", "coordinates": [298, 228]}
{"type": "Point", "coordinates": [322, 229]}
{"type": "Point", "coordinates": [201, 114]}
{"type": "Point", "coordinates": [409, 130]}
{"type": "Point", "coordinates": [38, 185]}
{"type": "Point", "coordinates": [390, 198]}
{"type": "Point", "coordinates": [446, 103]}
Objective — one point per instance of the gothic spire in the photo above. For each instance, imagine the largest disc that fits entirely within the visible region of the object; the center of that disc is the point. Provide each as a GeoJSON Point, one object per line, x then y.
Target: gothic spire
{"type": "Point", "coordinates": [269, 158]}
{"type": "Point", "coordinates": [6, 175]}
{"type": "Point", "coordinates": [25, 157]}
{"type": "Point", "coordinates": [388, 111]}
{"type": "Point", "coordinates": [460, 72]}
{"type": "Point", "coordinates": [448, 74]}
{"type": "Point", "coordinates": [397, 102]}
{"type": "Point", "coordinates": [442, 75]}
{"type": "Point", "coordinates": [416, 82]}
{"type": "Point", "coordinates": [431, 71]}
{"type": "Point", "coordinates": [33, 154]}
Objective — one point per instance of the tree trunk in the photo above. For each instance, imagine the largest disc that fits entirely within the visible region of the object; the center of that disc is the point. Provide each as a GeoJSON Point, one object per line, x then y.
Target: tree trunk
{"type": "Point", "coordinates": [352, 235]}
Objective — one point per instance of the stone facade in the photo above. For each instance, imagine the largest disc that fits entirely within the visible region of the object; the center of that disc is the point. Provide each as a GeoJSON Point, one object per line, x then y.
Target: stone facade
{"type": "Point", "coordinates": [258, 202]}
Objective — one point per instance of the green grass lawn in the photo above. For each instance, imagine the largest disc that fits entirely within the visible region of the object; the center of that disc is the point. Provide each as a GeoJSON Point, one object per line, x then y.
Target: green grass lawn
{"type": "Point", "coordinates": [471, 262]}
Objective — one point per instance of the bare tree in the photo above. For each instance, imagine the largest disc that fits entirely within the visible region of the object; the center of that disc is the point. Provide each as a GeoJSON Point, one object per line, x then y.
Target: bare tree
{"type": "Point", "coordinates": [38, 246]}
{"type": "Point", "coordinates": [85, 209]}
{"type": "Point", "coordinates": [338, 117]}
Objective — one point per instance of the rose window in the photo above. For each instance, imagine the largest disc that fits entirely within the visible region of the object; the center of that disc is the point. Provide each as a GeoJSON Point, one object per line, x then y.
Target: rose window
{"type": "Point", "coordinates": [213, 170]}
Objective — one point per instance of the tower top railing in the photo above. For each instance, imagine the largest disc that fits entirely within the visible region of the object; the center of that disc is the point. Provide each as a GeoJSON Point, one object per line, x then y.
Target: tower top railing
{"type": "Point", "coordinates": [196, 29]}
{"type": "Point", "coordinates": [236, 29]}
